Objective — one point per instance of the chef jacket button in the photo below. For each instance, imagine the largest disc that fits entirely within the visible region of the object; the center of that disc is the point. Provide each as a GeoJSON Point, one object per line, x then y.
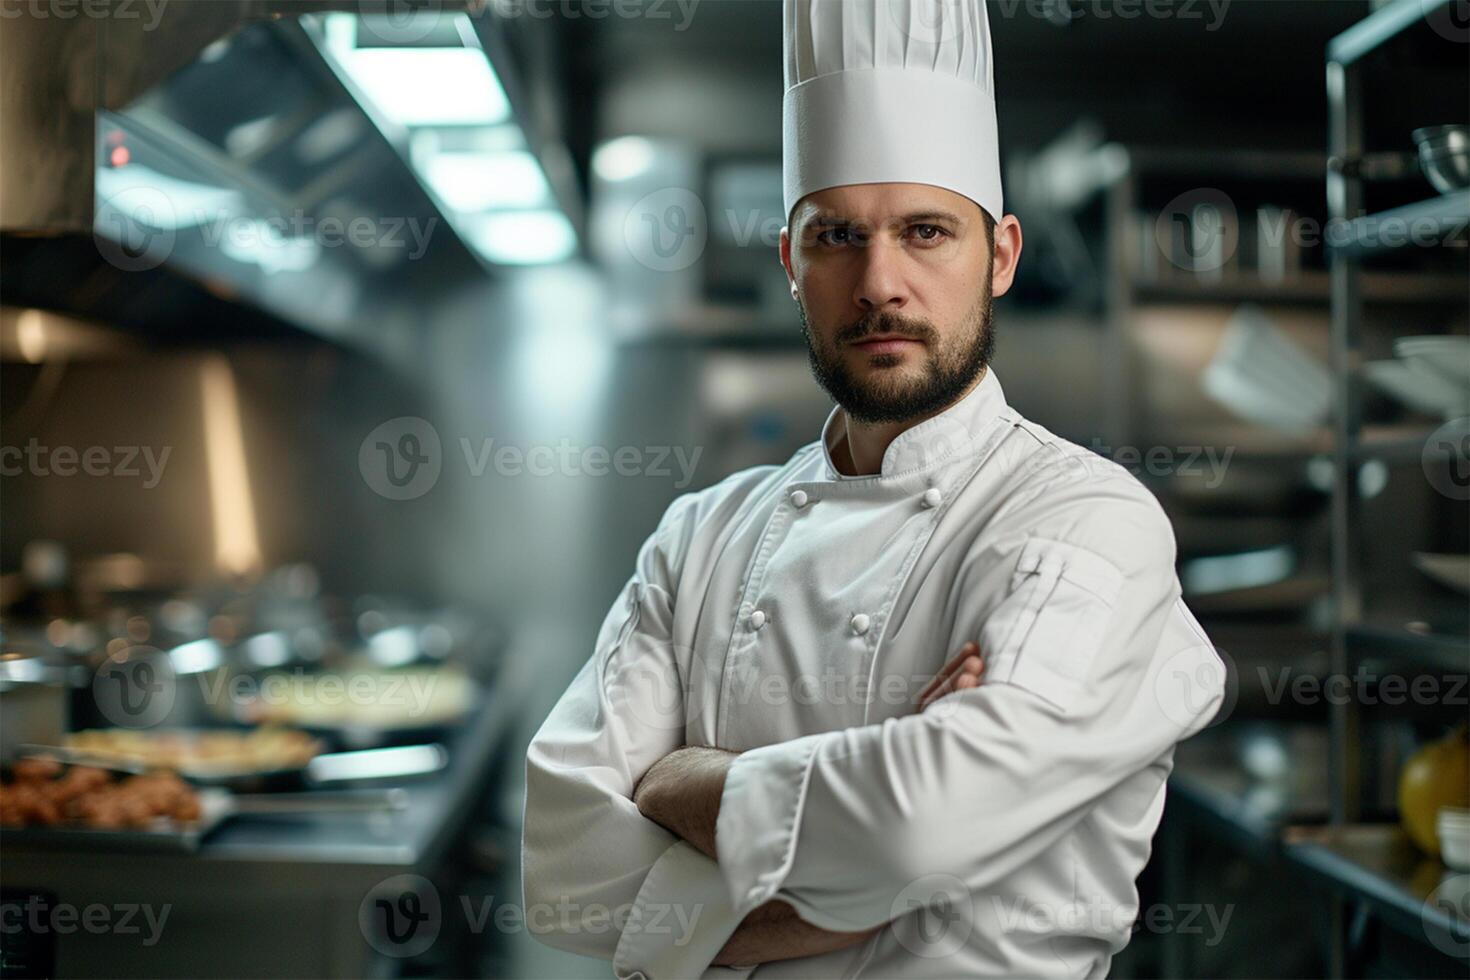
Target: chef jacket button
{"type": "Point", "coordinates": [932, 497]}
{"type": "Point", "coordinates": [798, 498]}
{"type": "Point", "coordinates": [757, 619]}
{"type": "Point", "coordinates": [860, 623]}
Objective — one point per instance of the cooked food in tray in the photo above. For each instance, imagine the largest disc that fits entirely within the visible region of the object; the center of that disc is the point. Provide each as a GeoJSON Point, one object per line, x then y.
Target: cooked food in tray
{"type": "Point", "coordinates": [46, 794]}
{"type": "Point", "coordinates": [200, 752]}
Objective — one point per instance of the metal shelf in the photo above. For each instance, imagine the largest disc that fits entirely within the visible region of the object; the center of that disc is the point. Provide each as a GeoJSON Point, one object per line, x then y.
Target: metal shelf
{"type": "Point", "coordinates": [1437, 217]}
{"type": "Point", "coordinates": [1378, 864]}
{"type": "Point", "coordinates": [1434, 650]}
{"type": "Point", "coordinates": [1380, 27]}
{"type": "Point", "coordinates": [1312, 286]}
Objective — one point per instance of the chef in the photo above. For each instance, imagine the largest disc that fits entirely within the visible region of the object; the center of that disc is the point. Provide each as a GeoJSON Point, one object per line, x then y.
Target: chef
{"type": "Point", "coordinates": [904, 704]}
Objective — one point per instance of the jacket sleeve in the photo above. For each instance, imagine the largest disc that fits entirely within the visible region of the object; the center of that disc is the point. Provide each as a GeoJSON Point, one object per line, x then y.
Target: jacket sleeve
{"type": "Point", "coordinates": [599, 879]}
{"type": "Point", "coordinates": [1095, 669]}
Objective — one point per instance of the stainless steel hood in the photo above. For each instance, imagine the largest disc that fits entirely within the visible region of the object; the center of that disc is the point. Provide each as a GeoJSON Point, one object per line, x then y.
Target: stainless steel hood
{"type": "Point", "coordinates": [60, 63]}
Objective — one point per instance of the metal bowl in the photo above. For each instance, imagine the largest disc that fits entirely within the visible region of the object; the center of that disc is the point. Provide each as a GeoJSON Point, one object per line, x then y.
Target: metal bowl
{"type": "Point", "coordinates": [1444, 156]}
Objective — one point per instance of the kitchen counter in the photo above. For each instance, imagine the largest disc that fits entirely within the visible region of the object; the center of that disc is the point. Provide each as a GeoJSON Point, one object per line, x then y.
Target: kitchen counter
{"type": "Point", "coordinates": [271, 895]}
{"type": "Point", "coordinates": [1379, 866]}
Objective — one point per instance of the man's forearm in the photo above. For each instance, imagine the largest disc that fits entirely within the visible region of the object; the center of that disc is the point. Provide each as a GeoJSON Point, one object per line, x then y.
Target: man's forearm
{"type": "Point", "coordinates": [775, 932]}
{"type": "Point", "coordinates": [681, 793]}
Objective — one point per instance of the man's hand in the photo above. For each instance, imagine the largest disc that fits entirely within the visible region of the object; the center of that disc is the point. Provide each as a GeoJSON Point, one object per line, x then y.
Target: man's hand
{"type": "Point", "coordinates": [964, 671]}
{"type": "Point", "coordinates": [681, 792]}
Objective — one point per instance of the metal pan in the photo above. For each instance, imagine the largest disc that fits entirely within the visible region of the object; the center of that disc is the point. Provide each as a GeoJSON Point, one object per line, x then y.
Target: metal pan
{"type": "Point", "coordinates": [216, 806]}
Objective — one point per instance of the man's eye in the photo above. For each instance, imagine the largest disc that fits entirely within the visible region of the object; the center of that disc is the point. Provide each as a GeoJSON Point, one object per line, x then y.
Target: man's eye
{"type": "Point", "coordinates": [929, 233]}
{"type": "Point", "coordinates": [837, 236]}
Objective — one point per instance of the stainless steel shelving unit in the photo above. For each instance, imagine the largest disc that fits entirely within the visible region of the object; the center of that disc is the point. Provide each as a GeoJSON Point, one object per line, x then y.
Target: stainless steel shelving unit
{"type": "Point", "coordinates": [1355, 635]}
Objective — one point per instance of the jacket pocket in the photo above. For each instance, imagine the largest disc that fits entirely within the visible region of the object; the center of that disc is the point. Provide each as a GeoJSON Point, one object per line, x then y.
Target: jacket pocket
{"type": "Point", "coordinates": [1045, 635]}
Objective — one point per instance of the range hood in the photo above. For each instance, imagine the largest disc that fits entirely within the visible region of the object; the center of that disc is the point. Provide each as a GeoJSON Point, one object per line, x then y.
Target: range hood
{"type": "Point", "coordinates": [242, 144]}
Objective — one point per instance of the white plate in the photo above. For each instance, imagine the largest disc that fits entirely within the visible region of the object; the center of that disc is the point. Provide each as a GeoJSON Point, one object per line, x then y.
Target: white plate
{"type": "Point", "coordinates": [1451, 571]}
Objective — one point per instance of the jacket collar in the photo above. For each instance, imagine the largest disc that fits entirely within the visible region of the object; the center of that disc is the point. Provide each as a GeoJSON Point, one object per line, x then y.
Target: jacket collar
{"type": "Point", "coordinates": [932, 440]}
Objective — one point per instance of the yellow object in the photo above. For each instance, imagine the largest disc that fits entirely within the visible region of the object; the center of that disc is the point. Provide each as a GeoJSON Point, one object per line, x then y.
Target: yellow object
{"type": "Point", "coordinates": [1436, 775]}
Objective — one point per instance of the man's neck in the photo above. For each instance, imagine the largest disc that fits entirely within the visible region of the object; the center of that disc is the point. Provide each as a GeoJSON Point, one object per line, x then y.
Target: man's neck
{"type": "Point", "coordinates": [860, 451]}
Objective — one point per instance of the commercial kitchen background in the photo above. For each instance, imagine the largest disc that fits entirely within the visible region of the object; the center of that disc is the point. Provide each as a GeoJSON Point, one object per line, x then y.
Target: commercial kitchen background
{"type": "Point", "coordinates": [376, 337]}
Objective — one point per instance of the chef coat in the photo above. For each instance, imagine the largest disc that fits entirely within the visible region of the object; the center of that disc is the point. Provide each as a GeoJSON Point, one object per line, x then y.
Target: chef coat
{"type": "Point", "coordinates": [793, 614]}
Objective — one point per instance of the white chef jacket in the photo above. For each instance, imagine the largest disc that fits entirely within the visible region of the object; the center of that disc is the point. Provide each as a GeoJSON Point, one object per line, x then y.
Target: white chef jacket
{"type": "Point", "coordinates": [793, 614]}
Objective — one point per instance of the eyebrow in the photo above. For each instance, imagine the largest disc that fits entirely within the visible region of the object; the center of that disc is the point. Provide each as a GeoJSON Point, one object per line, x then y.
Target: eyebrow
{"type": "Point", "coordinates": [827, 219]}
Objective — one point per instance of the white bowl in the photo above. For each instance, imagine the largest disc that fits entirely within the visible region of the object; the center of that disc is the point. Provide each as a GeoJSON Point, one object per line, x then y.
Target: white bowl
{"type": "Point", "coordinates": [1452, 824]}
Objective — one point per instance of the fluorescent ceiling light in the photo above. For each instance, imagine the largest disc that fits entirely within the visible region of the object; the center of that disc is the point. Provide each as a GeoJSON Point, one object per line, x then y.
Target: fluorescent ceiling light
{"type": "Point", "coordinates": [429, 86]}
{"type": "Point", "coordinates": [481, 181]}
{"type": "Point", "coordinates": [623, 158]}
{"type": "Point", "coordinates": [523, 237]}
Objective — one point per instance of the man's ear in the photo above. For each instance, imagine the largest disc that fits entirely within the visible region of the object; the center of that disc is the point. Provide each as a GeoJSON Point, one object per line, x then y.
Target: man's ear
{"type": "Point", "coordinates": [1006, 255]}
{"type": "Point", "coordinates": [785, 252]}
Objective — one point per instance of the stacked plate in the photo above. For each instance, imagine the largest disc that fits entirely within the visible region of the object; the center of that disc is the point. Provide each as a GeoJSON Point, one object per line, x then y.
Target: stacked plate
{"type": "Point", "coordinates": [1452, 826]}
{"type": "Point", "coordinates": [1430, 375]}
{"type": "Point", "coordinates": [1261, 375]}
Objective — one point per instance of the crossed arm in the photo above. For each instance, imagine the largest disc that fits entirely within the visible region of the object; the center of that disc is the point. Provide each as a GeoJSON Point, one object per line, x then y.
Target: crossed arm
{"type": "Point", "coordinates": [681, 792]}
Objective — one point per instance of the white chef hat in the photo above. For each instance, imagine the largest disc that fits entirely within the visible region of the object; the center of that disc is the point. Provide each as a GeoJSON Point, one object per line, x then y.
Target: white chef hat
{"type": "Point", "coordinates": [889, 90]}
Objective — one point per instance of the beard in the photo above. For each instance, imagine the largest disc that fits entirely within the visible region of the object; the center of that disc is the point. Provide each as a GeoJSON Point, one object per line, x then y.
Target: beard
{"type": "Point", "coordinates": [882, 394]}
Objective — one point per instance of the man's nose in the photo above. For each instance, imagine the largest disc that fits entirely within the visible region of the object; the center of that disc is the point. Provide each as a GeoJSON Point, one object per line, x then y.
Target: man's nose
{"type": "Point", "coordinates": [880, 283]}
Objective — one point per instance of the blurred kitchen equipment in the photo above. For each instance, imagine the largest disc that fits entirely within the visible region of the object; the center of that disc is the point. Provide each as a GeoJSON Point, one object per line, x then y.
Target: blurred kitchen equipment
{"type": "Point", "coordinates": [1453, 827]}
{"type": "Point", "coordinates": [1419, 386]}
{"type": "Point", "coordinates": [1278, 253]}
{"type": "Point", "coordinates": [216, 806]}
{"type": "Point", "coordinates": [1451, 571]}
{"type": "Point", "coordinates": [361, 707]}
{"type": "Point", "coordinates": [1436, 775]}
{"type": "Point", "coordinates": [1447, 356]}
{"type": "Point", "coordinates": [33, 700]}
{"type": "Point", "coordinates": [1444, 156]}
{"type": "Point", "coordinates": [1261, 375]}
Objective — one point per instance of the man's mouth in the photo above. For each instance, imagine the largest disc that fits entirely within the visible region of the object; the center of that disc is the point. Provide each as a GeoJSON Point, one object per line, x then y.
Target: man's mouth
{"type": "Point", "coordinates": [886, 343]}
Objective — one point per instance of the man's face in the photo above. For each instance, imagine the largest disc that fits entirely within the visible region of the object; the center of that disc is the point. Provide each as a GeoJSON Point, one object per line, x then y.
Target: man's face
{"type": "Point", "coordinates": [893, 282]}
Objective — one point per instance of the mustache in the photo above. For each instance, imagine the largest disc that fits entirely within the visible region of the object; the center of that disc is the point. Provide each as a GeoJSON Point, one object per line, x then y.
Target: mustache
{"type": "Point", "coordinates": [886, 323]}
